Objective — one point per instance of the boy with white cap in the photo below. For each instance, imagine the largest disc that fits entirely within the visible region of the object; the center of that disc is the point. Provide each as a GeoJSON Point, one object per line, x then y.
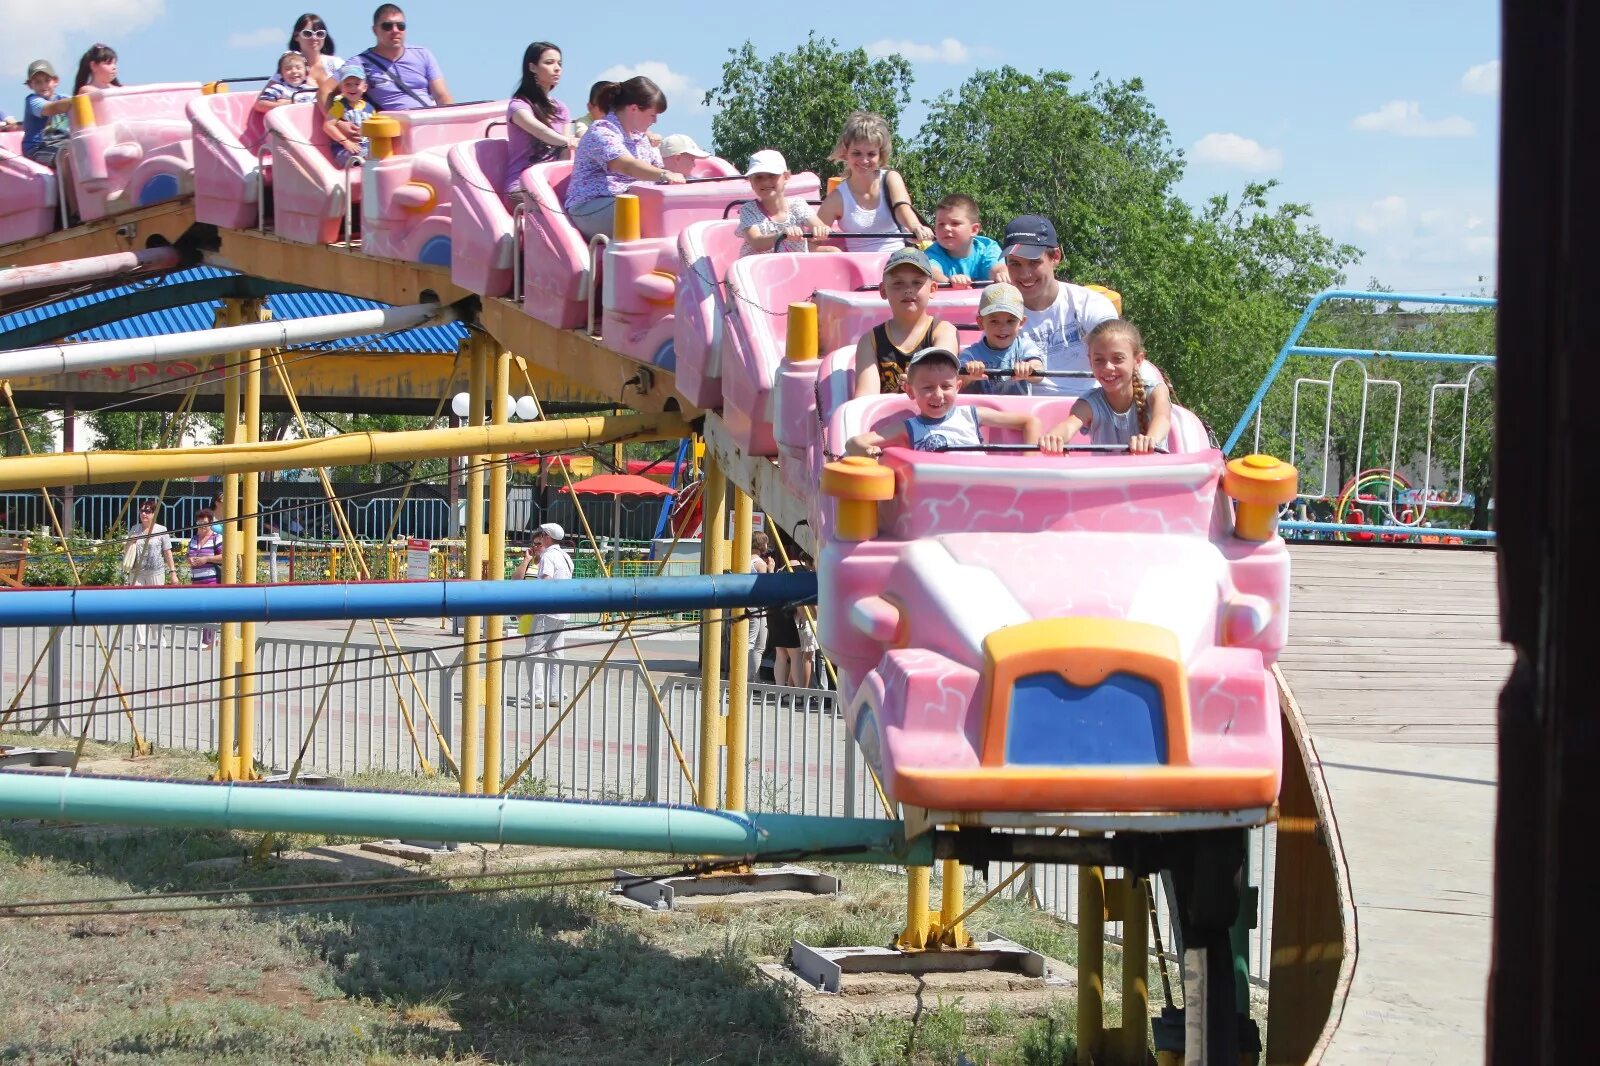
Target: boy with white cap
{"type": "Point", "coordinates": [679, 153]}
{"type": "Point", "coordinates": [548, 636]}
{"type": "Point", "coordinates": [773, 221]}
{"type": "Point", "coordinates": [1002, 346]}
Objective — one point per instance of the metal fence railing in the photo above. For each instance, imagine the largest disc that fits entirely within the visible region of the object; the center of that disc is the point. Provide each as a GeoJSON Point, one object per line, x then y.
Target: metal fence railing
{"type": "Point", "coordinates": [343, 704]}
{"type": "Point", "coordinates": [1384, 439]}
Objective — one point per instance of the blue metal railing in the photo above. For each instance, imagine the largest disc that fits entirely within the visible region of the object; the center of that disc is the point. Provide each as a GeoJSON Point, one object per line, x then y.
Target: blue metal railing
{"type": "Point", "coordinates": [1292, 347]}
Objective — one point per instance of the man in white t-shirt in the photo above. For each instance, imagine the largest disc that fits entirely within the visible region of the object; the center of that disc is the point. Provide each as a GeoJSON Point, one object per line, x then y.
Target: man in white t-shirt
{"type": "Point", "coordinates": [1058, 314]}
{"type": "Point", "coordinates": [549, 633]}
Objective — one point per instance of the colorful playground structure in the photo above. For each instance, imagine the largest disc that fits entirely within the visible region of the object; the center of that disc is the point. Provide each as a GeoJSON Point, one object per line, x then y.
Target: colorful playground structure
{"type": "Point", "coordinates": [1080, 643]}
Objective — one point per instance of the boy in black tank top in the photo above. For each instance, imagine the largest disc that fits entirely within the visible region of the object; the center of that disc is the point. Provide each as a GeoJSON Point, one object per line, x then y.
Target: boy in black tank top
{"type": "Point", "coordinates": [882, 353]}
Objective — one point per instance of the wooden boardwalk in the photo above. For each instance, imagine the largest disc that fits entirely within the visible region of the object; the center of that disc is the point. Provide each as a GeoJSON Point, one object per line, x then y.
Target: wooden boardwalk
{"type": "Point", "coordinates": [1395, 665]}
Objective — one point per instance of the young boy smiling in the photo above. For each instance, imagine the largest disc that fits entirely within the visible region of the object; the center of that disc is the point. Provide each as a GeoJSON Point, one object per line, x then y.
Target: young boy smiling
{"type": "Point", "coordinates": [960, 254]}
{"type": "Point", "coordinates": [933, 379]}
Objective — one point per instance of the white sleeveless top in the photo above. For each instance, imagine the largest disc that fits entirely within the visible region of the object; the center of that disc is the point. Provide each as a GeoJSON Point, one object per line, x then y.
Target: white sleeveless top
{"type": "Point", "coordinates": [1110, 427]}
{"type": "Point", "coordinates": [959, 428]}
{"type": "Point", "coordinates": [857, 219]}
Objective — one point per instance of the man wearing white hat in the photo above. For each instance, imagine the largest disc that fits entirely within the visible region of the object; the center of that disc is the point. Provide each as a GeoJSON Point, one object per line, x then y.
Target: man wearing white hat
{"type": "Point", "coordinates": [548, 634]}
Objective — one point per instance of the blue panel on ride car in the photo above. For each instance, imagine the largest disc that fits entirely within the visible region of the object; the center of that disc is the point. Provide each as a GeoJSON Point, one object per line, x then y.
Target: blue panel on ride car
{"type": "Point", "coordinates": [1053, 722]}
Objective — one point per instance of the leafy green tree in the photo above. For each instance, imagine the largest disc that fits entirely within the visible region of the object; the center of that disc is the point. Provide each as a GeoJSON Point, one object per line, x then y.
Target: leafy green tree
{"type": "Point", "coordinates": [798, 101]}
{"type": "Point", "coordinates": [34, 427]}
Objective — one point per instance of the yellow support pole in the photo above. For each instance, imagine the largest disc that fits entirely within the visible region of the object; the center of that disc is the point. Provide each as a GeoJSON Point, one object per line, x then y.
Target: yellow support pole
{"type": "Point", "coordinates": [33, 472]}
{"type": "Point", "coordinates": [952, 931]}
{"type": "Point", "coordinates": [1134, 912]}
{"type": "Point", "coordinates": [1091, 963]}
{"type": "Point", "coordinates": [919, 924]}
{"type": "Point", "coordinates": [713, 560]}
{"type": "Point", "coordinates": [249, 503]}
{"type": "Point", "coordinates": [739, 661]}
{"type": "Point", "coordinates": [472, 656]}
{"type": "Point", "coordinates": [227, 680]}
{"type": "Point", "coordinates": [494, 685]}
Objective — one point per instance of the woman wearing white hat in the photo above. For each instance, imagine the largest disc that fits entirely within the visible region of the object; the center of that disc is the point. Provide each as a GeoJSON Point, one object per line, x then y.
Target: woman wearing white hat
{"type": "Point", "coordinates": [548, 634]}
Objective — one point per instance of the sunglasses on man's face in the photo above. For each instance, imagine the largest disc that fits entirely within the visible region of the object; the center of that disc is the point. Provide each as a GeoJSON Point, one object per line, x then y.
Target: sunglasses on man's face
{"type": "Point", "coordinates": [391, 25]}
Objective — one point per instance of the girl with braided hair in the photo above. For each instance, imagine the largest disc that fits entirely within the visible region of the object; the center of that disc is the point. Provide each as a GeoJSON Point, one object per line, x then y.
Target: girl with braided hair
{"type": "Point", "coordinates": [1122, 408]}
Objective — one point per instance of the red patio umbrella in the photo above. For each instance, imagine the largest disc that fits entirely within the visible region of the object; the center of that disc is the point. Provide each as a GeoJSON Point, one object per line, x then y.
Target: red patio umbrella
{"type": "Point", "coordinates": [618, 485]}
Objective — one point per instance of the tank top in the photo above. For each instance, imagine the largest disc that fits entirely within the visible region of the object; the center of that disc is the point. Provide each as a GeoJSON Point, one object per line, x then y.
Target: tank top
{"type": "Point", "coordinates": [857, 219]}
{"type": "Point", "coordinates": [1109, 427]}
{"type": "Point", "coordinates": [957, 429]}
{"type": "Point", "coordinates": [891, 360]}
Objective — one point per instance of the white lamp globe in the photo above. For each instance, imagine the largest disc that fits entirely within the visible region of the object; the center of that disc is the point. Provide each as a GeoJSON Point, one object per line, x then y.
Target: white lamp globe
{"type": "Point", "coordinates": [528, 409]}
{"type": "Point", "coordinates": [461, 404]}
{"type": "Point", "coordinates": [507, 404]}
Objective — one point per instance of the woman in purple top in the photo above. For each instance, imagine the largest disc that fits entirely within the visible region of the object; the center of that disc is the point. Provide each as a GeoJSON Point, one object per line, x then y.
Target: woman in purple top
{"type": "Point", "coordinates": [614, 153]}
{"type": "Point", "coordinates": [538, 129]}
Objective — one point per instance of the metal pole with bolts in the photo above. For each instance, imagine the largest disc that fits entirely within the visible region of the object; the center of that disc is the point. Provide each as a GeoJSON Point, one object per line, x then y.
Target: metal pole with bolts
{"type": "Point", "coordinates": [494, 682]}
{"type": "Point", "coordinates": [472, 654]}
{"type": "Point", "coordinates": [249, 502]}
{"type": "Point", "coordinates": [738, 722]}
{"type": "Point", "coordinates": [713, 560]}
{"type": "Point", "coordinates": [227, 681]}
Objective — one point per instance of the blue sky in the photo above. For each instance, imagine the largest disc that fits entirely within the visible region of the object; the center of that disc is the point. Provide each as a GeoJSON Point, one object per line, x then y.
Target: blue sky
{"type": "Point", "coordinates": [1382, 116]}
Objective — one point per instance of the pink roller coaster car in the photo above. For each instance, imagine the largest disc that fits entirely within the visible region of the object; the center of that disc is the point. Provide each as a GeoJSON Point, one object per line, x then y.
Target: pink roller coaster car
{"type": "Point", "coordinates": [131, 147]}
{"type": "Point", "coordinates": [27, 193]}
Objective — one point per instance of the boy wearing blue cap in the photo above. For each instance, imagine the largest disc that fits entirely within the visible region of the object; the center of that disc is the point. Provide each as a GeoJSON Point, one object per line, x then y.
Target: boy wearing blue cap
{"type": "Point", "coordinates": [1058, 315]}
{"type": "Point", "coordinates": [347, 110]}
{"type": "Point", "coordinates": [884, 353]}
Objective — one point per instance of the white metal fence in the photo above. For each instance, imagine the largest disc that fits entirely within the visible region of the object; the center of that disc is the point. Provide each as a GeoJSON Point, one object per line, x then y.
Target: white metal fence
{"type": "Point", "coordinates": [348, 706]}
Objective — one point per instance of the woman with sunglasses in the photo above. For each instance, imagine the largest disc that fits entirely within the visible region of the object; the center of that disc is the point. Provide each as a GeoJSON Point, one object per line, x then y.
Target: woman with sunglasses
{"type": "Point", "coordinates": [147, 556]}
{"type": "Point", "coordinates": [310, 37]}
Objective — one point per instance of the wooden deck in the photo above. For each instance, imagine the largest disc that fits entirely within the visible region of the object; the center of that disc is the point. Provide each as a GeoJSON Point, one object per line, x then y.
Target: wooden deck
{"type": "Point", "coordinates": [1395, 666]}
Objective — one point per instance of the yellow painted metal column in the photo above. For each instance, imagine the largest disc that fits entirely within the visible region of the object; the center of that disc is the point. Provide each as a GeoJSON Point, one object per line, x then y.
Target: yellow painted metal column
{"type": "Point", "coordinates": [1133, 911]}
{"type": "Point", "coordinates": [739, 660]}
{"type": "Point", "coordinates": [713, 560]}
{"type": "Point", "coordinates": [472, 654]}
{"type": "Point", "coordinates": [249, 506]}
{"type": "Point", "coordinates": [1091, 963]}
{"type": "Point", "coordinates": [952, 934]}
{"type": "Point", "coordinates": [494, 687]}
{"type": "Point", "coordinates": [919, 923]}
{"type": "Point", "coordinates": [227, 673]}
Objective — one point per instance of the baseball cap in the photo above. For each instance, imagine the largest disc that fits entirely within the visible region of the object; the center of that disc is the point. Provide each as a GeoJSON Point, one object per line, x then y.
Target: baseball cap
{"type": "Point", "coordinates": [352, 70]}
{"type": "Point", "coordinates": [924, 355]}
{"type": "Point", "coordinates": [766, 161]}
{"type": "Point", "coordinates": [682, 144]}
{"type": "Point", "coordinates": [39, 66]}
{"type": "Point", "coordinates": [908, 257]}
{"type": "Point", "coordinates": [1001, 296]}
{"type": "Point", "coordinates": [1030, 236]}
{"type": "Point", "coordinates": [553, 531]}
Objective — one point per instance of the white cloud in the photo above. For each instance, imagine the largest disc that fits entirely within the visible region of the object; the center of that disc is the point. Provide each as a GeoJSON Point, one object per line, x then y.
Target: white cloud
{"type": "Point", "coordinates": [948, 50]}
{"type": "Point", "coordinates": [1232, 150]}
{"type": "Point", "coordinates": [36, 29]}
{"type": "Point", "coordinates": [256, 38]}
{"type": "Point", "coordinates": [1383, 216]}
{"type": "Point", "coordinates": [681, 89]}
{"type": "Point", "coordinates": [1429, 241]}
{"type": "Point", "coordinates": [1483, 79]}
{"type": "Point", "coordinates": [1404, 119]}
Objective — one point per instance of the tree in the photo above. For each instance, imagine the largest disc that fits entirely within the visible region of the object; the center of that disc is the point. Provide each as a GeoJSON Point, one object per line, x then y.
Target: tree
{"type": "Point", "coordinates": [798, 101]}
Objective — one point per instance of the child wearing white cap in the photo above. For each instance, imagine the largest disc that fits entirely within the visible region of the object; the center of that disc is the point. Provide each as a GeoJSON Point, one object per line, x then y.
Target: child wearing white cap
{"type": "Point", "coordinates": [773, 221]}
{"type": "Point", "coordinates": [679, 153]}
{"type": "Point", "coordinates": [1002, 346]}
{"type": "Point", "coordinates": [548, 635]}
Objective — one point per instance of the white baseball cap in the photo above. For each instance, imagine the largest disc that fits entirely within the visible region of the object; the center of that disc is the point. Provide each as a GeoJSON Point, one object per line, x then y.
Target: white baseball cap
{"type": "Point", "coordinates": [767, 161]}
{"type": "Point", "coordinates": [553, 531]}
{"type": "Point", "coordinates": [682, 144]}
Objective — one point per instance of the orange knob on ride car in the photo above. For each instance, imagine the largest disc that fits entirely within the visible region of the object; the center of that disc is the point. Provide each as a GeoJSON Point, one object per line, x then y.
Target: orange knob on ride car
{"type": "Point", "coordinates": [858, 483]}
{"type": "Point", "coordinates": [1259, 485]}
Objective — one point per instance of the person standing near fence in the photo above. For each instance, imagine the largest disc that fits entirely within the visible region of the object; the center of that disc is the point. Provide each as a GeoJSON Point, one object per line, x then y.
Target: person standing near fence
{"type": "Point", "coordinates": [548, 635]}
{"type": "Point", "coordinates": [205, 562]}
{"type": "Point", "coordinates": [147, 557]}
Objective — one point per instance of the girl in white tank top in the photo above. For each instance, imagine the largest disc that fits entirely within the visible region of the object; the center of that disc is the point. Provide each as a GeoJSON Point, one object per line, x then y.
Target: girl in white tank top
{"type": "Point", "coordinates": [864, 147]}
{"type": "Point", "coordinates": [858, 219]}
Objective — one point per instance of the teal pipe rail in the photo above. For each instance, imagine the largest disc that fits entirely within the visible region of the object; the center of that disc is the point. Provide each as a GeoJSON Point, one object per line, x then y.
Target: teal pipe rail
{"type": "Point", "coordinates": [685, 831]}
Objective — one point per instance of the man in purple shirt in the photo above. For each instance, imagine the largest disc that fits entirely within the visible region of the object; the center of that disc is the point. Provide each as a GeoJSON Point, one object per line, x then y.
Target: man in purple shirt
{"type": "Point", "coordinates": [401, 78]}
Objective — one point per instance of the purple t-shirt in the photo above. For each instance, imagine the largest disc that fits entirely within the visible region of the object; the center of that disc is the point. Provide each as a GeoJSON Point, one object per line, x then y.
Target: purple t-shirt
{"type": "Point", "coordinates": [523, 149]}
{"type": "Point", "coordinates": [415, 69]}
{"type": "Point", "coordinates": [591, 177]}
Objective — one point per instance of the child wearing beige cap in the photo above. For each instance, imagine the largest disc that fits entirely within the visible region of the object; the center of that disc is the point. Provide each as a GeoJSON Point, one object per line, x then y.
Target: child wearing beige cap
{"type": "Point", "coordinates": [1002, 346]}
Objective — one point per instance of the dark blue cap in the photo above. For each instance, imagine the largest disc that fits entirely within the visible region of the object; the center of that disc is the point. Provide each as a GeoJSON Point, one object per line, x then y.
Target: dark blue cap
{"type": "Point", "coordinates": [1030, 236]}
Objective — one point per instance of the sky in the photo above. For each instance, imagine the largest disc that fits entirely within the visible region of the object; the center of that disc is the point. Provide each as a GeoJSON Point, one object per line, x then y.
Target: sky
{"type": "Point", "coordinates": [1382, 117]}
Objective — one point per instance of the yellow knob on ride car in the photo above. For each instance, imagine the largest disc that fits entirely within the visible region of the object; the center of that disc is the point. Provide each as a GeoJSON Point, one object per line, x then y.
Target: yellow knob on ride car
{"type": "Point", "coordinates": [627, 225]}
{"type": "Point", "coordinates": [800, 344]}
{"type": "Point", "coordinates": [380, 132]}
{"type": "Point", "coordinates": [1259, 485]}
{"type": "Point", "coordinates": [82, 112]}
{"type": "Point", "coordinates": [1111, 294]}
{"type": "Point", "coordinates": [858, 483]}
